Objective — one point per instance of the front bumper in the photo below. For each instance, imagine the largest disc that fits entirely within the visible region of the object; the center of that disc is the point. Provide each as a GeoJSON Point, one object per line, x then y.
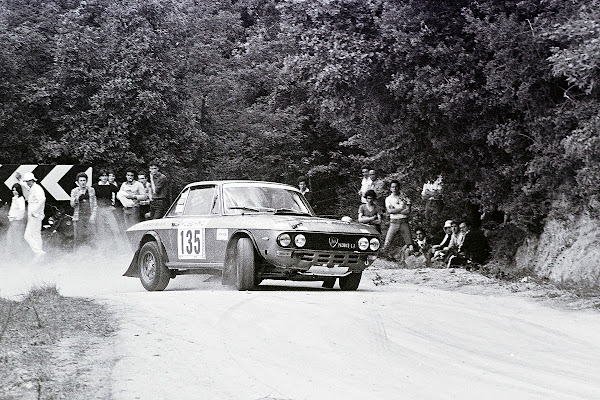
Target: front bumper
{"type": "Point", "coordinates": [321, 263]}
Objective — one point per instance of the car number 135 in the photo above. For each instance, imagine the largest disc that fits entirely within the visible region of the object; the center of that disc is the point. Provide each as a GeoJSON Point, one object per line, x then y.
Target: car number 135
{"type": "Point", "coordinates": [191, 243]}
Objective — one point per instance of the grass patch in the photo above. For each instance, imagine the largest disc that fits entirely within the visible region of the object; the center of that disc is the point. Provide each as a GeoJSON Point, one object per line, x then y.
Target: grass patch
{"type": "Point", "coordinates": [31, 335]}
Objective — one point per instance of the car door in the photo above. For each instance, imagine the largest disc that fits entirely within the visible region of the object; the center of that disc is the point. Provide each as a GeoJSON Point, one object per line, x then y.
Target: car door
{"type": "Point", "coordinates": [190, 235]}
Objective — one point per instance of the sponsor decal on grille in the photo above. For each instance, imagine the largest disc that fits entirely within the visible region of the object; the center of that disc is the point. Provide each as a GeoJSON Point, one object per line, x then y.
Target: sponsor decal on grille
{"type": "Point", "coordinates": [334, 243]}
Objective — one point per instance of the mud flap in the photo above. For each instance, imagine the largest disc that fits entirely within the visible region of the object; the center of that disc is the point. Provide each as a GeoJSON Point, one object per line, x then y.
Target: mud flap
{"type": "Point", "coordinates": [134, 269]}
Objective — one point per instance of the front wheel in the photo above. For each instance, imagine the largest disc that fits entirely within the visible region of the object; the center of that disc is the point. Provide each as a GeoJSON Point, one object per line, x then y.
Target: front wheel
{"type": "Point", "coordinates": [328, 283]}
{"type": "Point", "coordinates": [154, 274]}
{"type": "Point", "coordinates": [350, 282]}
{"type": "Point", "coordinates": [245, 260]}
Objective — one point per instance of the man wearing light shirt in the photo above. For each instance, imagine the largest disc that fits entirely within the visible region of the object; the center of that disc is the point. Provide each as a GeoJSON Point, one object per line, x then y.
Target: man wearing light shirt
{"type": "Point", "coordinates": [129, 195]}
{"type": "Point", "coordinates": [365, 185]}
{"type": "Point", "coordinates": [35, 215]}
{"type": "Point", "coordinates": [398, 207]}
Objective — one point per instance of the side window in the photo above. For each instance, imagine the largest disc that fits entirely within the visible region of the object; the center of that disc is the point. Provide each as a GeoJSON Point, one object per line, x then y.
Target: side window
{"type": "Point", "coordinates": [200, 201]}
{"type": "Point", "coordinates": [177, 208]}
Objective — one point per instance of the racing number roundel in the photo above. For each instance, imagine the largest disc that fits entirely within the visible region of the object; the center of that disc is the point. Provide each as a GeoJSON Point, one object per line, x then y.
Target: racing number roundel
{"type": "Point", "coordinates": [191, 243]}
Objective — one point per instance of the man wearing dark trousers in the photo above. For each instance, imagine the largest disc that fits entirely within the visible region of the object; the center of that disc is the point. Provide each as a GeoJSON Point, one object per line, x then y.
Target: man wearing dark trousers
{"type": "Point", "coordinates": [159, 190]}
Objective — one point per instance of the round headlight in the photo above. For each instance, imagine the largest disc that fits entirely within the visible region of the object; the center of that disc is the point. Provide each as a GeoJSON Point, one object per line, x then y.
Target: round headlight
{"type": "Point", "coordinates": [363, 243]}
{"type": "Point", "coordinates": [374, 245]}
{"type": "Point", "coordinates": [284, 240]}
{"type": "Point", "coordinates": [300, 240]}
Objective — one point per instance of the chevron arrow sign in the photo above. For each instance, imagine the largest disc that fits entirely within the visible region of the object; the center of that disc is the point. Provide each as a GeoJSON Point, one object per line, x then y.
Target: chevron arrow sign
{"type": "Point", "coordinates": [57, 180]}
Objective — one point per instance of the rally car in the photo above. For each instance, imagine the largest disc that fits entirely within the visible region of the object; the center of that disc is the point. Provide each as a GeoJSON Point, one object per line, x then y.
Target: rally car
{"type": "Point", "coordinates": [249, 231]}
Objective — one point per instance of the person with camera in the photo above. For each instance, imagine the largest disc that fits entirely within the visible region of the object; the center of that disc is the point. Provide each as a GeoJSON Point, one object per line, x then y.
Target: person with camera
{"type": "Point", "coordinates": [85, 207]}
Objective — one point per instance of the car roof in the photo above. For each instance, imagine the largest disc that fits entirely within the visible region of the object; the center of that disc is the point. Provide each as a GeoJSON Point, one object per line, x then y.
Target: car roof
{"type": "Point", "coordinates": [234, 181]}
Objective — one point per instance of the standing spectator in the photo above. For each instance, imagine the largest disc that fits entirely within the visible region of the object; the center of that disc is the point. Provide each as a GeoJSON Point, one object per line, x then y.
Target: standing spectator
{"type": "Point", "coordinates": [370, 213]}
{"type": "Point", "coordinates": [474, 248]}
{"type": "Point", "coordinates": [129, 195]}
{"type": "Point", "coordinates": [106, 221]}
{"type": "Point", "coordinates": [16, 229]}
{"type": "Point", "coordinates": [145, 204]}
{"type": "Point", "coordinates": [159, 184]}
{"type": "Point", "coordinates": [365, 184]}
{"type": "Point", "coordinates": [434, 204]}
{"type": "Point", "coordinates": [85, 207]}
{"type": "Point", "coordinates": [398, 206]}
{"type": "Point", "coordinates": [302, 185]}
{"type": "Point", "coordinates": [35, 215]}
{"type": "Point", "coordinates": [377, 184]}
{"type": "Point", "coordinates": [112, 181]}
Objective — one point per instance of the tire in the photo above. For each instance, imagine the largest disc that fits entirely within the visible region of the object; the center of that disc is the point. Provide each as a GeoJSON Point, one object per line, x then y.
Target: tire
{"type": "Point", "coordinates": [244, 262]}
{"type": "Point", "coordinates": [328, 283]}
{"type": "Point", "coordinates": [154, 274]}
{"type": "Point", "coordinates": [350, 282]}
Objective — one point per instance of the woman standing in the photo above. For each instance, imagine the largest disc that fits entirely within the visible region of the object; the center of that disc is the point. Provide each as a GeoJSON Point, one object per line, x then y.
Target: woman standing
{"type": "Point", "coordinates": [14, 244]}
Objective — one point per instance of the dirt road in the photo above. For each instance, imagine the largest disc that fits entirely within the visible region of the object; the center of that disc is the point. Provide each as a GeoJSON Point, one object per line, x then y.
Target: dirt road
{"type": "Point", "coordinates": [297, 341]}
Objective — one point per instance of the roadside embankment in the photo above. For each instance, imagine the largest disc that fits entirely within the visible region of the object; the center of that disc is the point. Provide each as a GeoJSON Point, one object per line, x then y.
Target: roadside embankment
{"type": "Point", "coordinates": [567, 252]}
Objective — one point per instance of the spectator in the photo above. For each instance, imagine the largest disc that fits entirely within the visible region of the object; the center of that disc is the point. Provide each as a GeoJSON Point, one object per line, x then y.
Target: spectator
{"type": "Point", "coordinates": [454, 244]}
{"type": "Point", "coordinates": [378, 186]}
{"type": "Point", "coordinates": [432, 196]}
{"type": "Point", "coordinates": [35, 215]}
{"type": "Point", "coordinates": [16, 228]}
{"type": "Point", "coordinates": [112, 181]}
{"type": "Point", "coordinates": [398, 206]}
{"type": "Point", "coordinates": [437, 248]}
{"type": "Point", "coordinates": [474, 249]}
{"type": "Point", "coordinates": [365, 184]}
{"type": "Point", "coordinates": [145, 204]}
{"type": "Point", "coordinates": [302, 185]}
{"type": "Point", "coordinates": [422, 247]}
{"type": "Point", "coordinates": [159, 185]}
{"type": "Point", "coordinates": [85, 206]}
{"type": "Point", "coordinates": [129, 195]}
{"type": "Point", "coordinates": [106, 221]}
{"type": "Point", "coordinates": [370, 213]}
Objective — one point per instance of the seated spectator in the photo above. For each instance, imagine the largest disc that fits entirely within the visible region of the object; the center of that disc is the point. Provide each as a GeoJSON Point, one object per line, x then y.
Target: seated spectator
{"type": "Point", "coordinates": [453, 245]}
{"type": "Point", "coordinates": [474, 249]}
{"type": "Point", "coordinates": [446, 241]}
{"type": "Point", "coordinates": [422, 247]}
{"type": "Point", "coordinates": [370, 213]}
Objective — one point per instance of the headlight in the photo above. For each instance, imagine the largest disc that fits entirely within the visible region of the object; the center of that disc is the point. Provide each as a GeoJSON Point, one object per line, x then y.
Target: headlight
{"type": "Point", "coordinates": [300, 240]}
{"type": "Point", "coordinates": [284, 240]}
{"type": "Point", "coordinates": [374, 244]}
{"type": "Point", "coordinates": [363, 243]}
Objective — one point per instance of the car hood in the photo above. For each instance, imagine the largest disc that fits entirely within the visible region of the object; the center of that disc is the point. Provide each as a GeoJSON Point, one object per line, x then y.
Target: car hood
{"type": "Point", "coordinates": [309, 224]}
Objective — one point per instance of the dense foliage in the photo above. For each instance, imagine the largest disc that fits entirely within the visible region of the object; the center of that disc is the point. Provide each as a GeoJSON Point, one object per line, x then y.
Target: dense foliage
{"type": "Point", "coordinates": [501, 98]}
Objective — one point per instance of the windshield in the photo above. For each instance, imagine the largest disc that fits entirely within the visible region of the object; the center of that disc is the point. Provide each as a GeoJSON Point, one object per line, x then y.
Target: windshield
{"type": "Point", "coordinates": [244, 198]}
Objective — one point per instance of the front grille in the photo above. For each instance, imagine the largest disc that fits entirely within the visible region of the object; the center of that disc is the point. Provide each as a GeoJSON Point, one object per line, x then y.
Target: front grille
{"type": "Point", "coordinates": [315, 258]}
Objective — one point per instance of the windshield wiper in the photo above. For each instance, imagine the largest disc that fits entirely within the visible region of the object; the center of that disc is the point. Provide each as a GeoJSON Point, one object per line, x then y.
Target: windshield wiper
{"type": "Point", "coordinates": [289, 211]}
{"type": "Point", "coordinates": [245, 208]}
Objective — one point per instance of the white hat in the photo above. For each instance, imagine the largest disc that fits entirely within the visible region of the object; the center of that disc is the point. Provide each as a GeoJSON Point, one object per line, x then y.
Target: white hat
{"type": "Point", "coordinates": [346, 218]}
{"type": "Point", "coordinates": [448, 223]}
{"type": "Point", "coordinates": [28, 176]}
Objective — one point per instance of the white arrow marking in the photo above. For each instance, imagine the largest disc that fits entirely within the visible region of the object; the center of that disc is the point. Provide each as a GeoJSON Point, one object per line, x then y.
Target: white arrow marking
{"type": "Point", "coordinates": [50, 182]}
{"type": "Point", "coordinates": [88, 172]}
{"type": "Point", "coordinates": [22, 170]}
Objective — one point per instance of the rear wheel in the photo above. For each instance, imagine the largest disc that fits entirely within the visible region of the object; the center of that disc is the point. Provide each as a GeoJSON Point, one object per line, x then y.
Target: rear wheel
{"type": "Point", "coordinates": [154, 274]}
{"type": "Point", "coordinates": [244, 260]}
{"type": "Point", "coordinates": [350, 282]}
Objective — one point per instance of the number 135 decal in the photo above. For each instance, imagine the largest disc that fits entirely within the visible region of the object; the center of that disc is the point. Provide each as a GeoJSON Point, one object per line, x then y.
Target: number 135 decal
{"type": "Point", "coordinates": [190, 243]}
